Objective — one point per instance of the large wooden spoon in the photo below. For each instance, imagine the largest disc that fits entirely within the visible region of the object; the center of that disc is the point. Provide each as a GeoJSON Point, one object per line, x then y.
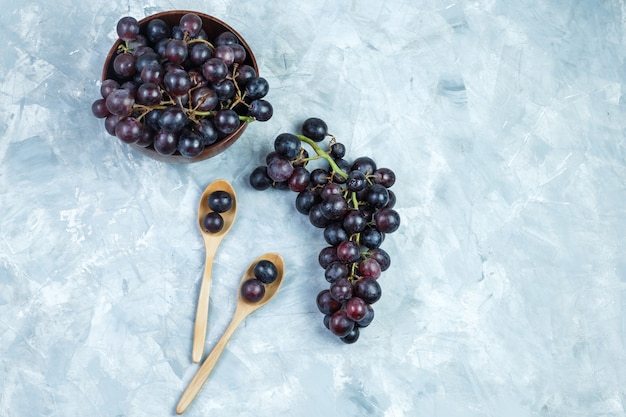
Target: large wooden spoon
{"type": "Point", "coordinates": [244, 309]}
{"type": "Point", "coordinates": [211, 242]}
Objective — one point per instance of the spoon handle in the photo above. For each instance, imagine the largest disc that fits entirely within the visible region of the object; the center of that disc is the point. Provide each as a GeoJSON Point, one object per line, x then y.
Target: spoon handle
{"type": "Point", "coordinates": [202, 308]}
{"type": "Point", "coordinates": [207, 366]}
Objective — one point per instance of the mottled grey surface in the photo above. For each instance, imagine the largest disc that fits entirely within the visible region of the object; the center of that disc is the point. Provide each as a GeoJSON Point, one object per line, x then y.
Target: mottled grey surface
{"type": "Point", "coordinates": [505, 123]}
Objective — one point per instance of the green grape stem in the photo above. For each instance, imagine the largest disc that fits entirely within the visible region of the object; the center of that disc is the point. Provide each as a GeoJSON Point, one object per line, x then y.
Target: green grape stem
{"type": "Point", "coordinates": [323, 154]}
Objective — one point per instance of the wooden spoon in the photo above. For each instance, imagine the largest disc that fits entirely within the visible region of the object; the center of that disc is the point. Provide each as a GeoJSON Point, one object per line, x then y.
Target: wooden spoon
{"type": "Point", "coordinates": [211, 242]}
{"type": "Point", "coordinates": [244, 308]}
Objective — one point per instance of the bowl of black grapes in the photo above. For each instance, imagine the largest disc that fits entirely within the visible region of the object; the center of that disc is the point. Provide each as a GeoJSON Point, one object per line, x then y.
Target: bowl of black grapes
{"type": "Point", "coordinates": [180, 86]}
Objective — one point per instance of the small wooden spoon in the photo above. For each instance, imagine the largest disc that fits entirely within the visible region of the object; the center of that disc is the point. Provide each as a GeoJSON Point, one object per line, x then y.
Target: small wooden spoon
{"type": "Point", "coordinates": [244, 308]}
{"type": "Point", "coordinates": [211, 242]}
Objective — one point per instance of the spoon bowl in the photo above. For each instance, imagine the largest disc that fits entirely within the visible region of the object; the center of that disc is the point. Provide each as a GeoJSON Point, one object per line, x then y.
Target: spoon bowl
{"type": "Point", "coordinates": [211, 243]}
{"type": "Point", "coordinates": [244, 309]}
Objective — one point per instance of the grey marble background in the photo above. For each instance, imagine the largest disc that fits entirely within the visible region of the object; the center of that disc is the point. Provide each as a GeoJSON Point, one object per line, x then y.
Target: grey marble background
{"type": "Point", "coordinates": [505, 123]}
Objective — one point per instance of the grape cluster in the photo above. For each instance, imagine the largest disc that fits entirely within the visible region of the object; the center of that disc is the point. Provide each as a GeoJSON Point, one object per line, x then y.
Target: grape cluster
{"type": "Point", "coordinates": [353, 204]}
{"type": "Point", "coordinates": [176, 91]}
{"type": "Point", "coordinates": [253, 289]}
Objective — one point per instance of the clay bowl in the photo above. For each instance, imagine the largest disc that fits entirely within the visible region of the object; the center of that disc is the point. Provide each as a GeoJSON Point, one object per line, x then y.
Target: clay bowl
{"type": "Point", "coordinates": [213, 27]}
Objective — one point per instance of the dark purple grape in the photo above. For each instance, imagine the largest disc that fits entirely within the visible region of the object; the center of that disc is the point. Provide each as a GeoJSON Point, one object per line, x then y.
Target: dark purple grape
{"type": "Point", "coordinates": [315, 129]}
{"type": "Point", "coordinates": [365, 164]}
{"type": "Point", "coordinates": [152, 118]}
{"type": "Point", "coordinates": [371, 237]}
{"type": "Point", "coordinates": [127, 28]}
{"type": "Point", "coordinates": [239, 52]}
{"type": "Point", "coordinates": [256, 88]}
{"type": "Point", "coordinates": [214, 70]}
{"type": "Point", "coordinates": [280, 169]}
{"type": "Point", "coordinates": [244, 74]}
{"type": "Point", "coordinates": [325, 303]}
{"type": "Point", "coordinates": [199, 53]}
{"type": "Point", "coordinates": [177, 33]}
{"type": "Point", "coordinates": [191, 23]}
{"type": "Point", "coordinates": [261, 110]}
{"type": "Point", "coordinates": [252, 290]}
{"type": "Point", "coordinates": [110, 122]}
{"type": "Point", "coordinates": [225, 53]}
{"type": "Point", "coordinates": [327, 256]}
{"type": "Point", "coordinates": [190, 144]}
{"type": "Point", "coordinates": [152, 73]}
{"type": "Point", "coordinates": [124, 65]}
{"type": "Point", "coordinates": [147, 137]}
{"type": "Point", "coordinates": [173, 119]}
{"type": "Point", "coordinates": [299, 180]}
{"type": "Point", "coordinates": [165, 143]}
{"type": "Point", "coordinates": [99, 108]}
{"type": "Point", "coordinates": [108, 86]}
{"type": "Point", "coordinates": [204, 99]}
{"type": "Point", "coordinates": [356, 181]}
{"type": "Point", "coordinates": [369, 268]}
{"type": "Point", "coordinates": [387, 220]}
{"type": "Point", "coordinates": [176, 51]}
{"type": "Point", "coordinates": [148, 58]}
{"type": "Point", "coordinates": [225, 90]}
{"type": "Point", "coordinates": [196, 77]}
{"type": "Point", "coordinates": [356, 309]}
{"type": "Point", "coordinates": [392, 199]}
{"type": "Point", "coordinates": [160, 47]}
{"type": "Point", "coordinates": [334, 234]}
{"type": "Point", "coordinates": [335, 270]}
{"type": "Point", "coordinates": [220, 201]}
{"type": "Point", "coordinates": [384, 176]}
{"type": "Point", "coordinates": [352, 336]}
{"type": "Point", "coordinates": [319, 176]}
{"type": "Point", "coordinates": [305, 200]}
{"type": "Point", "coordinates": [377, 196]}
{"type": "Point", "coordinates": [265, 271]}
{"type": "Point", "coordinates": [226, 121]}
{"type": "Point", "coordinates": [120, 102]}
{"type": "Point", "coordinates": [139, 46]}
{"type": "Point", "coordinates": [368, 318]}
{"type": "Point", "coordinates": [207, 131]}
{"type": "Point", "coordinates": [354, 222]}
{"type": "Point", "coordinates": [301, 160]}
{"type": "Point", "coordinates": [148, 94]}
{"type": "Point", "coordinates": [348, 252]}
{"type": "Point", "coordinates": [130, 86]}
{"type": "Point", "coordinates": [226, 38]}
{"type": "Point", "coordinates": [259, 180]}
{"type": "Point", "coordinates": [282, 185]}
{"type": "Point", "coordinates": [368, 289]}
{"type": "Point", "coordinates": [331, 189]}
{"type": "Point", "coordinates": [177, 82]}
{"type": "Point", "coordinates": [382, 257]}
{"type": "Point", "coordinates": [212, 222]}
{"type": "Point", "coordinates": [337, 150]}
{"type": "Point", "coordinates": [288, 145]}
{"type": "Point", "coordinates": [334, 207]}
{"type": "Point", "coordinates": [156, 30]}
{"type": "Point", "coordinates": [340, 325]}
{"type": "Point", "coordinates": [129, 130]}
{"type": "Point", "coordinates": [316, 218]}
{"type": "Point", "coordinates": [341, 290]}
